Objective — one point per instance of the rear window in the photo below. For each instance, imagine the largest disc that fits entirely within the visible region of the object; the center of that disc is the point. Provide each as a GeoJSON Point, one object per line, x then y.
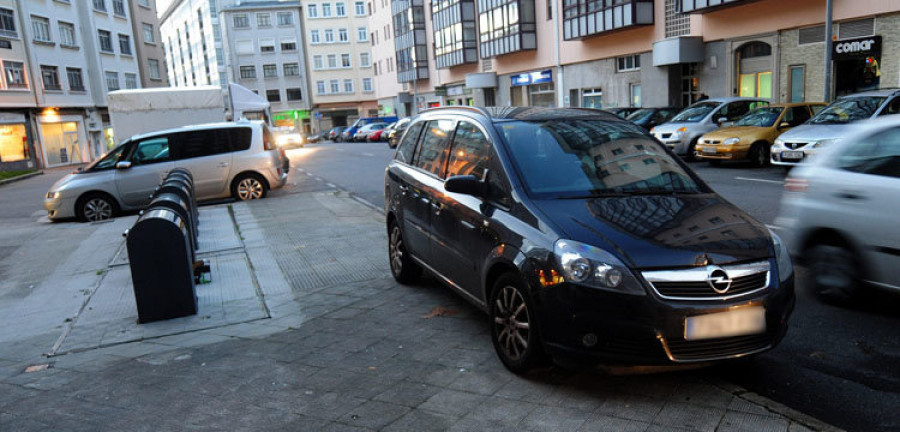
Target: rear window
{"type": "Point", "coordinates": [848, 109]}
{"type": "Point", "coordinates": [202, 143]}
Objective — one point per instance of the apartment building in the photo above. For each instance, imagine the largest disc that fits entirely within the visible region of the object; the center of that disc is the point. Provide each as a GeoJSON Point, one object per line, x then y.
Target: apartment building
{"type": "Point", "coordinates": [393, 97]}
{"type": "Point", "coordinates": [592, 53]}
{"type": "Point", "coordinates": [193, 43]}
{"type": "Point", "coordinates": [339, 55]}
{"type": "Point", "coordinates": [148, 43]}
{"type": "Point", "coordinates": [266, 54]}
{"type": "Point", "coordinates": [59, 60]}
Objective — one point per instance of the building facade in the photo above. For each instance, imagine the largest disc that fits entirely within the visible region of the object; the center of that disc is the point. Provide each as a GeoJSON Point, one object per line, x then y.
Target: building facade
{"type": "Point", "coordinates": [393, 96]}
{"type": "Point", "coordinates": [266, 53]}
{"type": "Point", "coordinates": [148, 43]}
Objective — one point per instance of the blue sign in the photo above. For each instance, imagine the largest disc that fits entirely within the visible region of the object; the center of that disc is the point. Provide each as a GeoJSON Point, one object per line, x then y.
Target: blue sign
{"type": "Point", "coordinates": [528, 78]}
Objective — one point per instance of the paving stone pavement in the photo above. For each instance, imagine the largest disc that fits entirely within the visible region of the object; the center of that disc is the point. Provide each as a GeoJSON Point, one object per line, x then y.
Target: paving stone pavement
{"type": "Point", "coordinates": [324, 339]}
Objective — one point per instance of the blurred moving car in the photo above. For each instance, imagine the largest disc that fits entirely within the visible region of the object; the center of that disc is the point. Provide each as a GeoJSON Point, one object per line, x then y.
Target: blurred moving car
{"type": "Point", "coordinates": [238, 159]}
{"type": "Point", "coordinates": [839, 212]}
{"type": "Point", "coordinates": [623, 112]}
{"type": "Point", "coordinates": [362, 133]}
{"type": "Point", "coordinates": [379, 134]}
{"type": "Point", "coordinates": [647, 118]}
{"type": "Point", "coordinates": [832, 123]}
{"type": "Point", "coordinates": [288, 138]}
{"type": "Point", "coordinates": [335, 133]}
{"type": "Point", "coordinates": [397, 131]}
{"type": "Point", "coordinates": [752, 136]}
{"type": "Point", "coordinates": [682, 132]}
{"type": "Point", "coordinates": [351, 131]}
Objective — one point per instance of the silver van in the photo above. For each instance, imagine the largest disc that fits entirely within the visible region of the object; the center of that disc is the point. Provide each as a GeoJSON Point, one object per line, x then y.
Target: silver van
{"type": "Point", "coordinates": [682, 132]}
{"type": "Point", "coordinates": [832, 123]}
{"type": "Point", "coordinates": [238, 159]}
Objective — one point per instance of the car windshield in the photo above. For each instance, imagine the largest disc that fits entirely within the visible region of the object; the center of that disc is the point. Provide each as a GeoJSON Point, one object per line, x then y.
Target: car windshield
{"type": "Point", "coordinates": [846, 110]}
{"type": "Point", "coordinates": [107, 161]}
{"type": "Point", "coordinates": [589, 158]}
{"type": "Point", "coordinates": [761, 117]}
{"type": "Point", "coordinates": [696, 112]}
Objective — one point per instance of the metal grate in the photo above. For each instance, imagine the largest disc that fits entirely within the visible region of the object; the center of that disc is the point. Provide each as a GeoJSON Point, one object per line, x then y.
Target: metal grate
{"type": "Point", "coordinates": [711, 349]}
{"type": "Point", "coordinates": [855, 29]}
{"type": "Point", "coordinates": [811, 35]}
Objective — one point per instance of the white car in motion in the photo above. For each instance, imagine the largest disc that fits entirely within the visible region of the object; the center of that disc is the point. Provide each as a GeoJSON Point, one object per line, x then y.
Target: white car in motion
{"type": "Point", "coordinates": [839, 212]}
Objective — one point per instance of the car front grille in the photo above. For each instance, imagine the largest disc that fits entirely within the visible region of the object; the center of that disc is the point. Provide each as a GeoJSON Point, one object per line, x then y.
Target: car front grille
{"type": "Point", "coordinates": [695, 283]}
{"type": "Point", "coordinates": [711, 141]}
{"type": "Point", "coordinates": [719, 348]}
{"type": "Point", "coordinates": [702, 289]}
{"type": "Point", "coordinates": [795, 145]}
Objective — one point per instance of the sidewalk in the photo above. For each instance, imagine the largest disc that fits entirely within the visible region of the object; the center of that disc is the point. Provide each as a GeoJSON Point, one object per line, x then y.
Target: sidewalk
{"type": "Point", "coordinates": [303, 328]}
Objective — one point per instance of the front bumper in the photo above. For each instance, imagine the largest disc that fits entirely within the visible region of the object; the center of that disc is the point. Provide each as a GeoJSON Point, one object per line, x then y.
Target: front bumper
{"type": "Point", "coordinates": [647, 330]}
{"type": "Point", "coordinates": [59, 207]}
{"type": "Point", "coordinates": [721, 152]}
{"type": "Point", "coordinates": [680, 146]}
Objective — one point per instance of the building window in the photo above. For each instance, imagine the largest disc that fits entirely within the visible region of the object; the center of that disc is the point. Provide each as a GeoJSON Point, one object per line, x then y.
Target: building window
{"type": "Point", "coordinates": [248, 72]}
{"type": "Point", "coordinates": [335, 86]}
{"type": "Point", "coordinates": [320, 87]}
{"type": "Point", "coordinates": [362, 34]}
{"type": "Point", "coordinates": [15, 74]}
{"type": "Point", "coordinates": [367, 85]}
{"type": "Point", "coordinates": [410, 45]}
{"type": "Point", "coordinates": [76, 82]}
{"type": "Point", "coordinates": [67, 34]}
{"type": "Point", "coordinates": [144, 3]}
{"type": "Point", "coordinates": [112, 81]}
{"type": "Point", "coordinates": [317, 62]}
{"type": "Point", "coordinates": [348, 86]}
{"type": "Point", "coordinates": [326, 10]}
{"type": "Point", "coordinates": [455, 37]}
{"type": "Point", "coordinates": [50, 78]}
{"type": "Point", "coordinates": [119, 7]}
{"type": "Point", "coordinates": [811, 35]}
{"type": "Point", "coordinates": [273, 95]}
{"type": "Point", "coordinates": [314, 37]}
{"type": "Point", "coordinates": [342, 35]}
{"type": "Point", "coordinates": [267, 45]}
{"type": "Point", "coordinates": [755, 76]}
{"type": "Point", "coordinates": [798, 77]}
{"type": "Point", "coordinates": [148, 33]}
{"type": "Point", "coordinates": [360, 8]}
{"type": "Point", "coordinates": [364, 60]}
{"type": "Point", "coordinates": [130, 81]}
{"type": "Point", "coordinates": [241, 22]}
{"type": "Point", "coordinates": [588, 17]}
{"type": "Point", "coordinates": [329, 36]}
{"type": "Point", "coordinates": [345, 61]}
{"type": "Point", "coordinates": [244, 47]}
{"type": "Point", "coordinates": [332, 61]}
{"type": "Point", "coordinates": [41, 27]}
{"type": "Point", "coordinates": [628, 63]}
{"type": "Point", "coordinates": [154, 69]}
{"type": "Point", "coordinates": [105, 41]}
{"type": "Point", "coordinates": [264, 20]}
{"type": "Point", "coordinates": [635, 95]}
{"type": "Point", "coordinates": [285, 18]}
{"type": "Point", "coordinates": [124, 44]}
{"type": "Point", "coordinates": [291, 69]}
{"type": "Point", "coordinates": [340, 10]}
{"type": "Point", "coordinates": [312, 11]}
{"type": "Point", "coordinates": [100, 5]}
{"type": "Point", "coordinates": [504, 28]}
{"type": "Point", "coordinates": [8, 23]}
{"type": "Point", "coordinates": [270, 71]}
{"type": "Point", "coordinates": [288, 45]}
{"type": "Point", "coordinates": [294, 94]}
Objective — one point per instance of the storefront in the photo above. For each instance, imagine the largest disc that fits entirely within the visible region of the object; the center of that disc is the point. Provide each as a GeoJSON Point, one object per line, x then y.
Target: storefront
{"type": "Point", "coordinates": [62, 139]}
{"type": "Point", "coordinates": [857, 64]}
{"type": "Point", "coordinates": [533, 89]}
{"type": "Point", "coordinates": [297, 119]}
{"type": "Point", "coordinates": [15, 153]}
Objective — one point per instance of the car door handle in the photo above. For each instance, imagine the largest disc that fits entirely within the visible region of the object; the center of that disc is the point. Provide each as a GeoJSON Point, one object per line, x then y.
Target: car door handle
{"type": "Point", "coordinates": [850, 195]}
{"type": "Point", "coordinates": [223, 164]}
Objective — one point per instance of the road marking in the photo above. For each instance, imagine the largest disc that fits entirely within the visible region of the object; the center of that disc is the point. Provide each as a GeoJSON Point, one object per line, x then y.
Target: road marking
{"type": "Point", "coordinates": [340, 149]}
{"type": "Point", "coordinates": [332, 185]}
{"type": "Point", "coordinates": [309, 174]}
{"type": "Point", "coordinates": [368, 154]}
{"type": "Point", "coordinates": [760, 180]}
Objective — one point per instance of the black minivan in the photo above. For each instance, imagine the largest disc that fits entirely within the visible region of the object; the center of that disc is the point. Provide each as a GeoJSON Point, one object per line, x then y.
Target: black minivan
{"type": "Point", "coordinates": [583, 238]}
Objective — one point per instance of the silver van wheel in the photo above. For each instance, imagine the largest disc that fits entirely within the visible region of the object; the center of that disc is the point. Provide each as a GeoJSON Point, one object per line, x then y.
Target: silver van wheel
{"type": "Point", "coordinates": [97, 209]}
{"type": "Point", "coordinates": [248, 188]}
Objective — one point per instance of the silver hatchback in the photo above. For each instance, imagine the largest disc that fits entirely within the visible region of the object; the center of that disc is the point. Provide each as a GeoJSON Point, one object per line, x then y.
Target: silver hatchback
{"type": "Point", "coordinates": [238, 159]}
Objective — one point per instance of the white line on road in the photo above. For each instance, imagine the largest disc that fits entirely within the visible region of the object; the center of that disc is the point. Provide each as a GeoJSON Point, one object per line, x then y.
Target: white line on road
{"type": "Point", "coordinates": [331, 185]}
{"type": "Point", "coordinates": [759, 180]}
{"type": "Point", "coordinates": [368, 154]}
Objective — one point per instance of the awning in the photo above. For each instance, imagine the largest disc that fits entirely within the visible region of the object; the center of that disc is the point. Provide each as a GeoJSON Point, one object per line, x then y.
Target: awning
{"type": "Point", "coordinates": [678, 50]}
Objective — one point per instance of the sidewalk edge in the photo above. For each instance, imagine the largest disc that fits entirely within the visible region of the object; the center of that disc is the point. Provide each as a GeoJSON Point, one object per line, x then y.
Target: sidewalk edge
{"type": "Point", "coordinates": [778, 408]}
{"type": "Point", "coordinates": [21, 177]}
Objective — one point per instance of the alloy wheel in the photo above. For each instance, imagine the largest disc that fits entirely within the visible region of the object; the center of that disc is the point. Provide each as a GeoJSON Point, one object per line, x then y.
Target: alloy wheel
{"type": "Point", "coordinates": [97, 209]}
{"type": "Point", "coordinates": [512, 323]}
{"type": "Point", "coordinates": [250, 188]}
{"type": "Point", "coordinates": [396, 251]}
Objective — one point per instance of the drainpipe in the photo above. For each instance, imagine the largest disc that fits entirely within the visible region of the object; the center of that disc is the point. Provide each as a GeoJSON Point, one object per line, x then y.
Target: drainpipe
{"type": "Point", "coordinates": [829, 4]}
{"type": "Point", "coordinates": [561, 96]}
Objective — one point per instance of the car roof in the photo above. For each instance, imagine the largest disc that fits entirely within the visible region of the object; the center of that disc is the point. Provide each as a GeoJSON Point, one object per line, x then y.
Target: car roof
{"type": "Point", "coordinates": [526, 113]}
{"type": "Point", "coordinates": [203, 126]}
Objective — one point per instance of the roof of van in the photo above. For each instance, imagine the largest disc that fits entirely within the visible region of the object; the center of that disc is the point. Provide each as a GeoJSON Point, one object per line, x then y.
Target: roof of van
{"type": "Point", "coordinates": [204, 126]}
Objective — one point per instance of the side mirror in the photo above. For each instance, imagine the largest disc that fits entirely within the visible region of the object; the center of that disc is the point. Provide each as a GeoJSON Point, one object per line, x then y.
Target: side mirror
{"type": "Point", "coordinates": [784, 125]}
{"type": "Point", "coordinates": [123, 165]}
{"type": "Point", "coordinates": [722, 120]}
{"type": "Point", "coordinates": [465, 184]}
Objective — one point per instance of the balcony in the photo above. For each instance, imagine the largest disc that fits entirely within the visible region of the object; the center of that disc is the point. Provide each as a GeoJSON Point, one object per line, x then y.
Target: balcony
{"type": "Point", "coordinates": [704, 6]}
{"type": "Point", "coordinates": [584, 18]}
{"type": "Point", "coordinates": [410, 44]}
{"type": "Point", "coordinates": [506, 26]}
{"type": "Point", "coordinates": [455, 40]}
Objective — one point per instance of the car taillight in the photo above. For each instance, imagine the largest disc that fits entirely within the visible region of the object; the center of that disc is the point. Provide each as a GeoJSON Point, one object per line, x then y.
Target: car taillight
{"type": "Point", "coordinates": [796, 184]}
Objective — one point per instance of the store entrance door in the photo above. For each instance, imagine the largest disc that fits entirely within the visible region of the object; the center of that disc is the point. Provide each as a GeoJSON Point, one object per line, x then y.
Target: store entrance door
{"type": "Point", "coordinates": [857, 64]}
{"type": "Point", "coordinates": [71, 142]}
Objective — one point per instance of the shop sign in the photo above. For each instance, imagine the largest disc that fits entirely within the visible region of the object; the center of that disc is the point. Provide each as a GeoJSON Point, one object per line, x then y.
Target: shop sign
{"type": "Point", "coordinates": [529, 78]}
{"type": "Point", "coordinates": [856, 48]}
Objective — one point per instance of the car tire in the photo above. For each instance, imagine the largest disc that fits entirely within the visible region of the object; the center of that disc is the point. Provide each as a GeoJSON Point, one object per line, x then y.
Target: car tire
{"type": "Point", "coordinates": [514, 328]}
{"type": "Point", "coordinates": [835, 272]}
{"type": "Point", "coordinates": [248, 187]}
{"type": "Point", "coordinates": [690, 156]}
{"type": "Point", "coordinates": [95, 207]}
{"type": "Point", "coordinates": [403, 268]}
{"type": "Point", "coordinates": [759, 154]}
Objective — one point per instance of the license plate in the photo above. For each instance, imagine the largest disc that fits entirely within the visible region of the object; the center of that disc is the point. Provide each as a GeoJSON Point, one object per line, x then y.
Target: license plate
{"type": "Point", "coordinates": [709, 150]}
{"type": "Point", "coordinates": [737, 322]}
{"type": "Point", "coordinates": [792, 154]}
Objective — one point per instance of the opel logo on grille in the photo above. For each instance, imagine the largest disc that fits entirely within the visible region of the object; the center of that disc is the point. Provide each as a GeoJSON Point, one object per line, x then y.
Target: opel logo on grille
{"type": "Point", "coordinates": [717, 279]}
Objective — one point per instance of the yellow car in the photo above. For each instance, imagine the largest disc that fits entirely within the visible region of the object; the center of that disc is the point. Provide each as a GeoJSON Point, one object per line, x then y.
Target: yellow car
{"type": "Point", "coordinates": [751, 137]}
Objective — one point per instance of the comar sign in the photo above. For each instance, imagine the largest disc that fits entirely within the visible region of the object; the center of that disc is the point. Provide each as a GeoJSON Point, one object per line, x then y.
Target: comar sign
{"type": "Point", "coordinates": [856, 48]}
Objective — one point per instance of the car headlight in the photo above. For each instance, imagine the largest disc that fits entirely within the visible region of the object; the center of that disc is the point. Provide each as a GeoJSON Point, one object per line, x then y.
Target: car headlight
{"type": "Point", "coordinates": [52, 195]}
{"type": "Point", "coordinates": [778, 144]}
{"type": "Point", "coordinates": [782, 257]}
{"type": "Point", "coordinates": [731, 141]}
{"type": "Point", "coordinates": [594, 267]}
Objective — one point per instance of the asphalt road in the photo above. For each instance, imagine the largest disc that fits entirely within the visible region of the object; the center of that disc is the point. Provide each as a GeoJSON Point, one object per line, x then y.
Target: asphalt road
{"type": "Point", "coordinates": [841, 365]}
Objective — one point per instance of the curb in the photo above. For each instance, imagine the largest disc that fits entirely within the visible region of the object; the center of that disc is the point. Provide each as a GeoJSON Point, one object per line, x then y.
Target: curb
{"type": "Point", "coordinates": [21, 177]}
{"type": "Point", "coordinates": [778, 408]}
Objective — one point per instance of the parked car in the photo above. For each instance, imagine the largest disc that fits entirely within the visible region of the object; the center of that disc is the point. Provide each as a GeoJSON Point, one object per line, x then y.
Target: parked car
{"type": "Point", "coordinates": [648, 118]}
{"type": "Point", "coordinates": [314, 138]}
{"type": "Point", "coordinates": [623, 112]}
{"type": "Point", "coordinates": [381, 135]}
{"type": "Point", "coordinates": [839, 212]}
{"type": "Point", "coordinates": [289, 138]}
{"type": "Point", "coordinates": [335, 133]}
{"type": "Point", "coordinates": [832, 123]}
{"type": "Point", "coordinates": [351, 131]}
{"type": "Point", "coordinates": [682, 132]}
{"type": "Point", "coordinates": [397, 132]}
{"type": "Point", "coordinates": [578, 234]}
{"type": "Point", "coordinates": [752, 136]}
{"type": "Point", "coordinates": [238, 159]}
{"type": "Point", "coordinates": [362, 134]}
